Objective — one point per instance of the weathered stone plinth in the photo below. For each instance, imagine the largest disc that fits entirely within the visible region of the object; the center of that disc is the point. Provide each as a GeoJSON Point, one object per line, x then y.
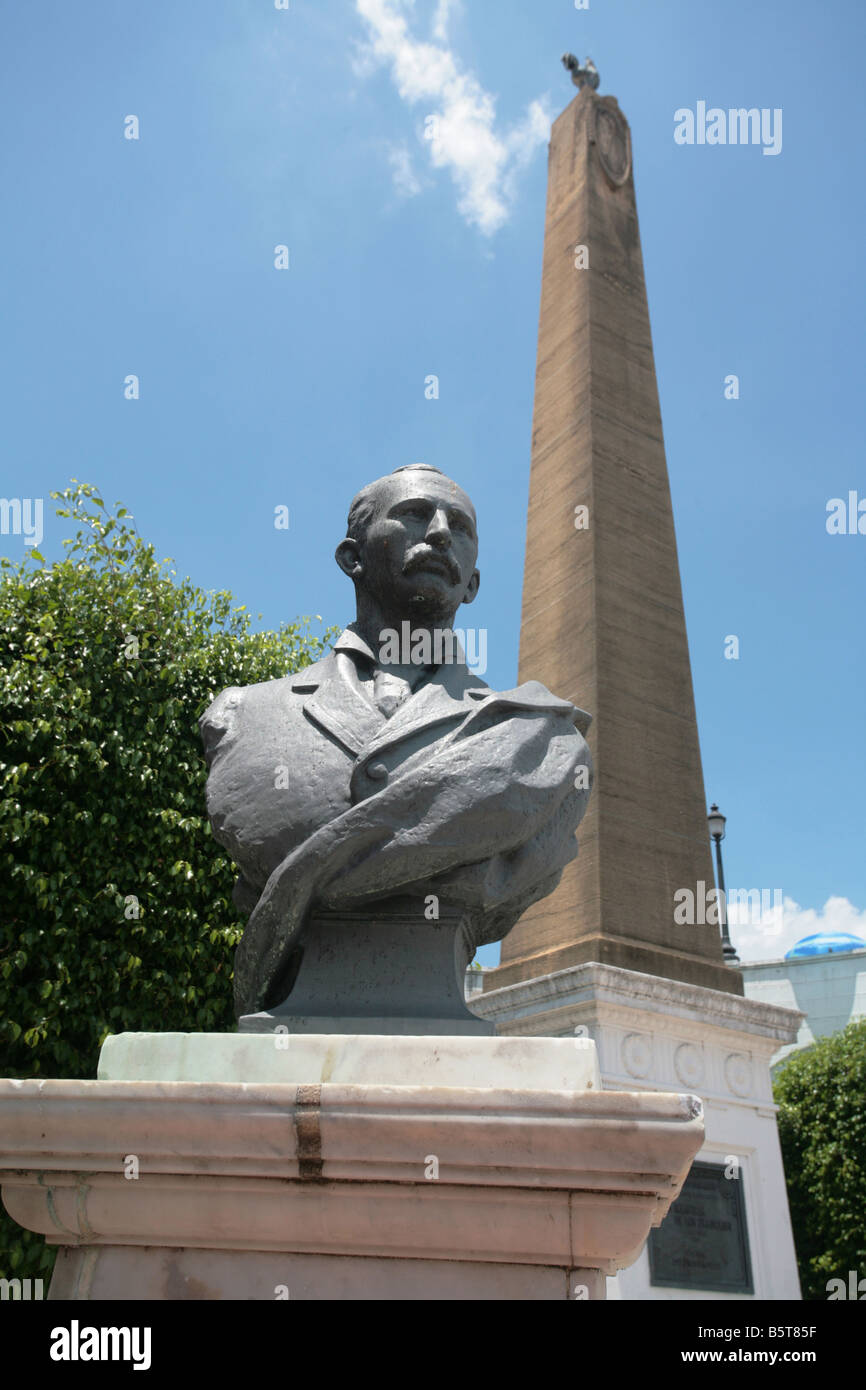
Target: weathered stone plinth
{"type": "Point", "coordinates": [274, 1189]}
{"type": "Point", "coordinates": [383, 970]}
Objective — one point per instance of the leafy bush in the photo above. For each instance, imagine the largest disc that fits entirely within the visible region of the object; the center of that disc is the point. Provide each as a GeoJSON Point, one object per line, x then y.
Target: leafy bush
{"type": "Point", "coordinates": [821, 1093]}
{"type": "Point", "coordinates": [115, 900]}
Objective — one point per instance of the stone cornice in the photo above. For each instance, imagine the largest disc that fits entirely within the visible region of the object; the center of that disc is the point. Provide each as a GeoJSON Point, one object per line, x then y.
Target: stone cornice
{"type": "Point", "coordinates": [593, 982]}
{"type": "Point", "coordinates": [560, 1178]}
{"type": "Point", "coordinates": [359, 1132]}
{"type": "Point", "coordinates": [784, 962]}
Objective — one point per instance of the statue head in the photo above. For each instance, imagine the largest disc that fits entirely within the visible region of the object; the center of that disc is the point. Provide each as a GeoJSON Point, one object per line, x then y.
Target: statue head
{"type": "Point", "coordinates": [411, 546]}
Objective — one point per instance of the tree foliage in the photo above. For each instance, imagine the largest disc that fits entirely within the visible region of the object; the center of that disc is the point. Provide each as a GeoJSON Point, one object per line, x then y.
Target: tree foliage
{"type": "Point", "coordinates": [115, 900]}
{"type": "Point", "coordinates": [821, 1092]}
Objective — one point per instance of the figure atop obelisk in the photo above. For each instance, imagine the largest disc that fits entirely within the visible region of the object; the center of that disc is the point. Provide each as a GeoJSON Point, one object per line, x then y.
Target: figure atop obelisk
{"type": "Point", "coordinates": [586, 76]}
{"type": "Point", "coordinates": [603, 620]}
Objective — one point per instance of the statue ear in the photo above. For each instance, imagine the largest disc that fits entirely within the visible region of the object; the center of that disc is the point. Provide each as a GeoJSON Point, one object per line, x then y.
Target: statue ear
{"type": "Point", "coordinates": [348, 557]}
{"type": "Point", "coordinates": [472, 588]}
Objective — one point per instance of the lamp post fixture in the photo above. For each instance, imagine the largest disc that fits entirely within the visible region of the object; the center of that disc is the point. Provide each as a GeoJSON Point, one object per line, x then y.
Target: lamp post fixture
{"type": "Point", "coordinates": [717, 830]}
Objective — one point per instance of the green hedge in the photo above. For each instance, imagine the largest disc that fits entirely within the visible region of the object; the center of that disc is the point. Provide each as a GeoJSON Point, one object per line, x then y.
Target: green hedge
{"type": "Point", "coordinates": [115, 900]}
{"type": "Point", "coordinates": [821, 1093]}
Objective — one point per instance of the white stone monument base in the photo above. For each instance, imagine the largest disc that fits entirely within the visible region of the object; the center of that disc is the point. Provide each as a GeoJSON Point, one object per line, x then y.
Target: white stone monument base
{"type": "Point", "coordinates": [463, 1174]}
{"type": "Point", "coordinates": [657, 1035]}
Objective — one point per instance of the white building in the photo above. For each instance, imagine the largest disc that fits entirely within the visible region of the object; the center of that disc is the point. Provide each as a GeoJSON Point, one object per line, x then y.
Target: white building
{"type": "Point", "coordinates": [824, 976]}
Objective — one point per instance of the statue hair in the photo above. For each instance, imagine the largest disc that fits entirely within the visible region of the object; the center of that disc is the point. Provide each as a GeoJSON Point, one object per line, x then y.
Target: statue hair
{"type": "Point", "coordinates": [363, 504]}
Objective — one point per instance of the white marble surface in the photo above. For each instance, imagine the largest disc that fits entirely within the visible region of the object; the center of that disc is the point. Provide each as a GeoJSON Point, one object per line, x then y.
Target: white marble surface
{"type": "Point", "coordinates": [542, 1064]}
{"type": "Point", "coordinates": [506, 1187]}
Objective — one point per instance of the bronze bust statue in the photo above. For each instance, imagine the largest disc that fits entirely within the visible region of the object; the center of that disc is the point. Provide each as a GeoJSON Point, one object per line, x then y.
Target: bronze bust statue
{"type": "Point", "coordinates": [418, 813]}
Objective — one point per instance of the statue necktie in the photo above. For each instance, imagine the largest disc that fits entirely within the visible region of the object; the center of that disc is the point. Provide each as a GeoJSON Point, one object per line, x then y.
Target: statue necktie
{"type": "Point", "coordinates": [389, 691]}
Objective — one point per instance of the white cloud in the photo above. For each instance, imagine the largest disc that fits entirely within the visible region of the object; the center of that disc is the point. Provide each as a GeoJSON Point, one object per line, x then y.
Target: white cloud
{"type": "Point", "coordinates": [770, 934]}
{"type": "Point", "coordinates": [405, 179]}
{"type": "Point", "coordinates": [482, 162]}
{"type": "Point", "coordinates": [442, 18]}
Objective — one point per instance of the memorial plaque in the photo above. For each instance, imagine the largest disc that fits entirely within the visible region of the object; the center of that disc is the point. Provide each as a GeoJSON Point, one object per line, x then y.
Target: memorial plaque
{"type": "Point", "coordinates": [703, 1242]}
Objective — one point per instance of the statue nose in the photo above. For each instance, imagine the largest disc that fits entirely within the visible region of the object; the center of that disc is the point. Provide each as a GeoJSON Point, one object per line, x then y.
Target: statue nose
{"type": "Point", "coordinates": [438, 531]}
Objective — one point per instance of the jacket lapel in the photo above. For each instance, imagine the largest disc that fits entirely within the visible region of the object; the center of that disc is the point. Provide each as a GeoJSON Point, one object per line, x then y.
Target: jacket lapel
{"type": "Point", "coordinates": [443, 698]}
{"type": "Point", "coordinates": [336, 702]}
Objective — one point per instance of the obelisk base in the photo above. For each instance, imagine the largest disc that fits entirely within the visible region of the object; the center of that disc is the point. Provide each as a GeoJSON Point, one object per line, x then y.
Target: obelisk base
{"type": "Point", "coordinates": [734, 1240]}
{"type": "Point", "coordinates": [476, 1180]}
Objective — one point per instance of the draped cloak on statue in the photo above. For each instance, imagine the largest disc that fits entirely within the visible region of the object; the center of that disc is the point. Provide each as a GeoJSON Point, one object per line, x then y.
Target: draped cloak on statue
{"type": "Point", "coordinates": [323, 802]}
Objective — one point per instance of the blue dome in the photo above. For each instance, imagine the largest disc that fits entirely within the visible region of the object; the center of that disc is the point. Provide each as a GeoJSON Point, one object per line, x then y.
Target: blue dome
{"type": "Point", "coordinates": [824, 943]}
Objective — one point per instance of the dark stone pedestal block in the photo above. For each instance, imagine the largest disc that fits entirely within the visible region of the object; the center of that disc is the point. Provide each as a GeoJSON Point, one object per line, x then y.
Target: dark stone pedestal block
{"type": "Point", "coordinates": [386, 970]}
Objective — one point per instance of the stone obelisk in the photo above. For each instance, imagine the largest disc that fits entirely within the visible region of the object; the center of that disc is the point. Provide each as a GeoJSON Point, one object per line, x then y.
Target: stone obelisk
{"type": "Point", "coordinates": [603, 622]}
{"type": "Point", "coordinates": [604, 956]}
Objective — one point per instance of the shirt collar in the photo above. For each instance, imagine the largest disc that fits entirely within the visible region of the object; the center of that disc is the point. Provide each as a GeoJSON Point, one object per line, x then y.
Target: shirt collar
{"type": "Point", "coordinates": [350, 640]}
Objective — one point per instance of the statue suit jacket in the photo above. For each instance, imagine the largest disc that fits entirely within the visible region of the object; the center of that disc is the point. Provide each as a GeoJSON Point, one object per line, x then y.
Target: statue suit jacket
{"type": "Point", "coordinates": [322, 800]}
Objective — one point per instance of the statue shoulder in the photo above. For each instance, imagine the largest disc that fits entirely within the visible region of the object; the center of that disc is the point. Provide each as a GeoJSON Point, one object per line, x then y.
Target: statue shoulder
{"type": "Point", "coordinates": [534, 695]}
{"type": "Point", "coordinates": [220, 718]}
{"type": "Point", "coordinates": [223, 716]}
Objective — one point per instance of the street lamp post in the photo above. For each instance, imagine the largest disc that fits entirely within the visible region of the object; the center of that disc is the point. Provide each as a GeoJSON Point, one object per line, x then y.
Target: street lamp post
{"type": "Point", "coordinates": [717, 830]}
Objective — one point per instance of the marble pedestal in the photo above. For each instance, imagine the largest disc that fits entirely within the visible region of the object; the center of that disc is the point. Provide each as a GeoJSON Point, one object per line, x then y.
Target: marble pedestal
{"type": "Point", "coordinates": [365, 1168]}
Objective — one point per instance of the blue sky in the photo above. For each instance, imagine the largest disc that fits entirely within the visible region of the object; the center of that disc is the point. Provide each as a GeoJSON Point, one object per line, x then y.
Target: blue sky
{"type": "Point", "coordinates": [259, 387]}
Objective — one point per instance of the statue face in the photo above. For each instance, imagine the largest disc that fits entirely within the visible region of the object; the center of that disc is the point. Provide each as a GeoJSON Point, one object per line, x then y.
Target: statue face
{"type": "Point", "coordinates": [418, 555]}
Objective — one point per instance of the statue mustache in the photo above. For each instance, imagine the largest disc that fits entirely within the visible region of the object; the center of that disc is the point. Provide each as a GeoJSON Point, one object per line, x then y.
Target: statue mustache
{"type": "Point", "coordinates": [419, 559]}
